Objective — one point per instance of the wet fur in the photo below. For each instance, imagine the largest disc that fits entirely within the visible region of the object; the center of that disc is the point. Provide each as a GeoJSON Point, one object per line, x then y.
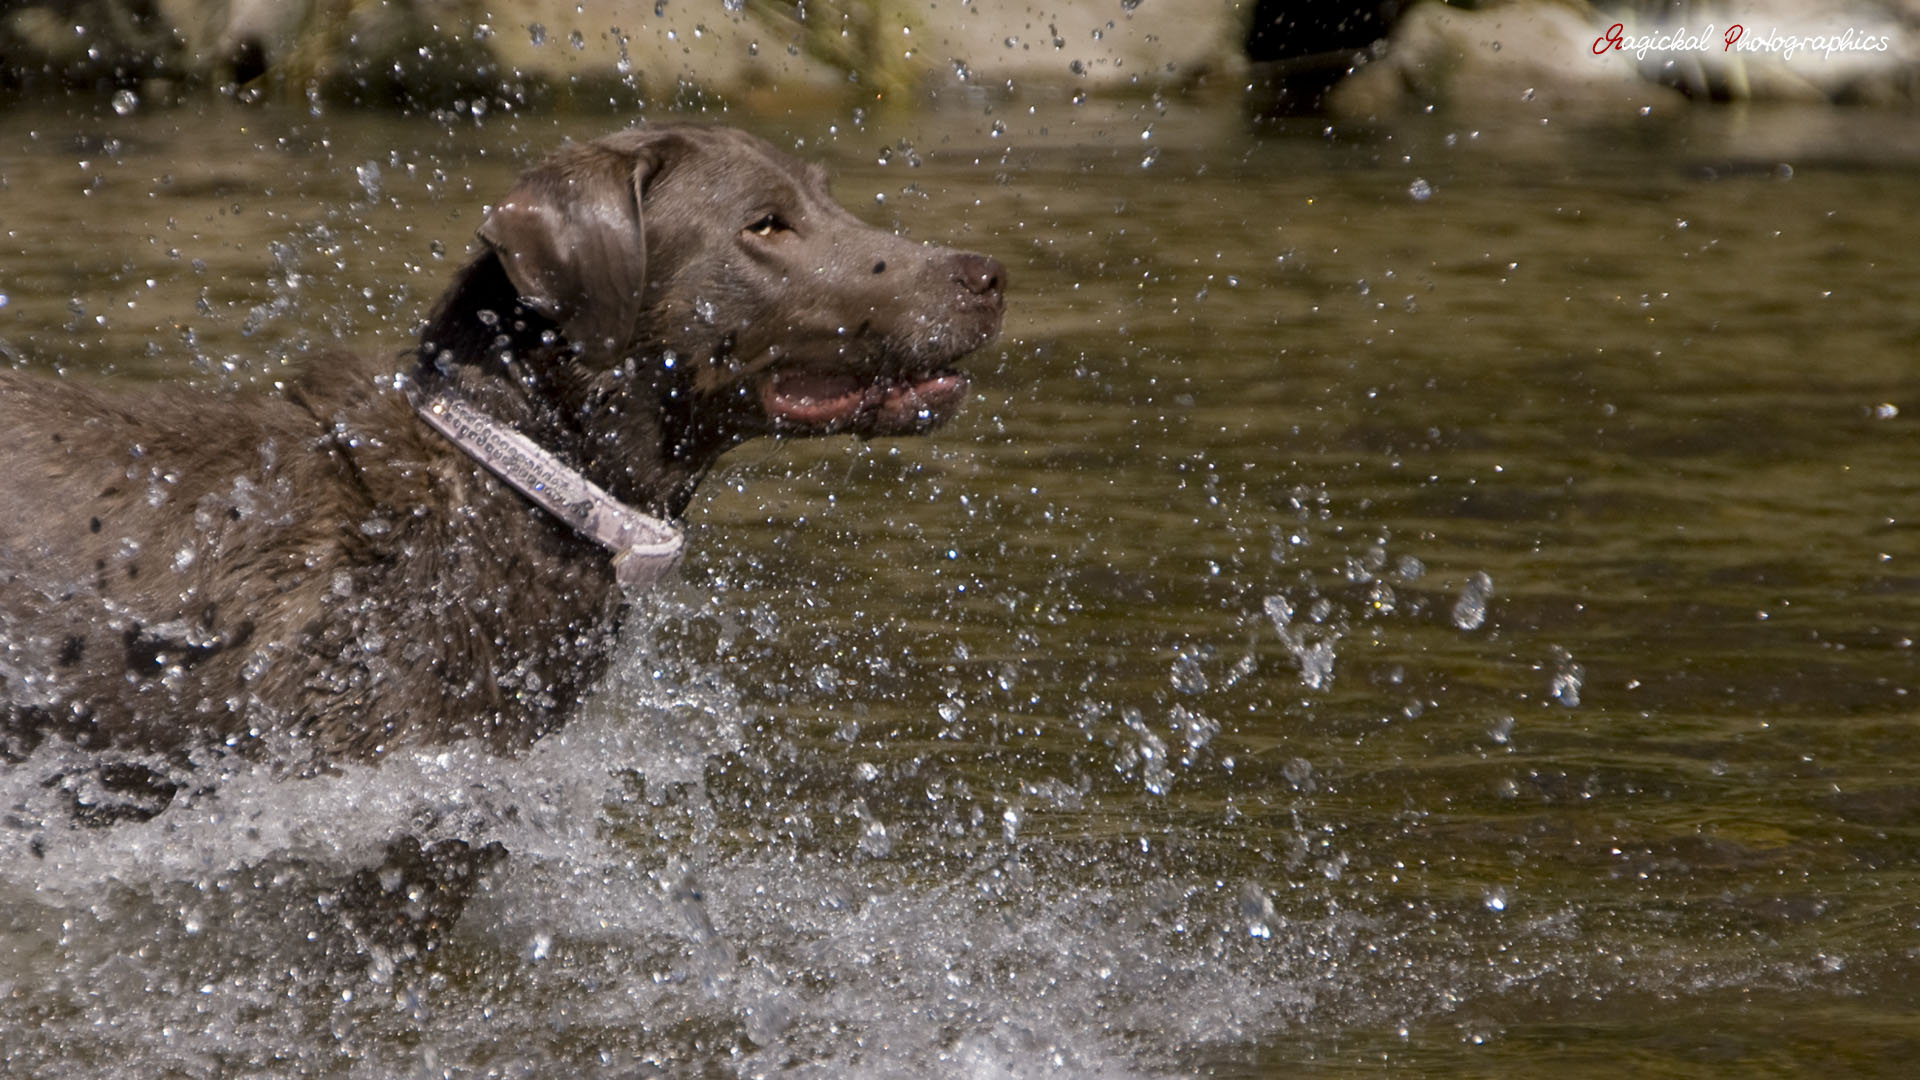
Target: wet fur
{"type": "Point", "coordinates": [182, 570]}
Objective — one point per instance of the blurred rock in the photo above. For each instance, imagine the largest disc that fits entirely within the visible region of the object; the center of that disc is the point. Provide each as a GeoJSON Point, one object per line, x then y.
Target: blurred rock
{"type": "Point", "coordinates": [684, 48]}
{"type": "Point", "coordinates": [1511, 55]}
{"type": "Point", "coordinates": [1098, 45]}
{"type": "Point", "coordinates": [880, 49]}
{"type": "Point", "coordinates": [1872, 53]}
{"type": "Point", "coordinates": [1553, 55]}
{"type": "Point", "coordinates": [86, 41]}
{"type": "Point", "coordinates": [434, 52]}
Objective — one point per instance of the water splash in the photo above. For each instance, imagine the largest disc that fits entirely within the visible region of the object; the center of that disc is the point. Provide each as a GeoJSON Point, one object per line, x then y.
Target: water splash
{"type": "Point", "coordinates": [689, 919]}
{"type": "Point", "coordinates": [1310, 643]}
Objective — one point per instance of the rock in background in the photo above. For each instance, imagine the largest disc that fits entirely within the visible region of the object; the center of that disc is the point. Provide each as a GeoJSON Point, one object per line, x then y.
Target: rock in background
{"type": "Point", "coordinates": [1349, 57]}
{"type": "Point", "coordinates": [438, 52]}
{"type": "Point", "coordinates": [1552, 55]}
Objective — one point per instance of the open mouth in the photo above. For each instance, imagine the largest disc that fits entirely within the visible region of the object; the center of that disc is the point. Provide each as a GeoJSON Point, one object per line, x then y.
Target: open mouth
{"type": "Point", "coordinates": [824, 402]}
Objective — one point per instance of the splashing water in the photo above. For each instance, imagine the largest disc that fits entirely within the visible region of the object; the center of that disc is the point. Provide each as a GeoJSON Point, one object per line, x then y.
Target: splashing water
{"type": "Point", "coordinates": [637, 887]}
{"type": "Point", "coordinates": [1311, 643]}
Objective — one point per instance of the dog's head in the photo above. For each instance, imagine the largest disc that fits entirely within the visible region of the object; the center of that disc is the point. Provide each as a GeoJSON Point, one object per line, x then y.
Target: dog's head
{"type": "Point", "coordinates": [719, 274]}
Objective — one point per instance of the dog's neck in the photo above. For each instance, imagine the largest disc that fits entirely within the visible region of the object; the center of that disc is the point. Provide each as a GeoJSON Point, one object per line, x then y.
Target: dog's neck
{"type": "Point", "coordinates": [631, 429]}
{"type": "Point", "coordinates": [644, 547]}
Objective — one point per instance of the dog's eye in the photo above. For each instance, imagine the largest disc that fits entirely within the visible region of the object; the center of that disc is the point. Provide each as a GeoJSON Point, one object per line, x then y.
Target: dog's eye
{"type": "Point", "coordinates": [769, 225]}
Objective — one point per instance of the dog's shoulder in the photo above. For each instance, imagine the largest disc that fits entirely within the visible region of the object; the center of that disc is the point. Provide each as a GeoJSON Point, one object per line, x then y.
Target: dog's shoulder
{"type": "Point", "coordinates": [90, 455]}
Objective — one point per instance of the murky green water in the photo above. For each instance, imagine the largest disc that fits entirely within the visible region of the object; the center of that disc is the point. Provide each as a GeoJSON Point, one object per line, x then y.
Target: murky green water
{"type": "Point", "coordinates": [1438, 597]}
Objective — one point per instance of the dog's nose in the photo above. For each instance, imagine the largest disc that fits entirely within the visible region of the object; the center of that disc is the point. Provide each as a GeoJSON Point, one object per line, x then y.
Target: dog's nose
{"type": "Point", "coordinates": [980, 274]}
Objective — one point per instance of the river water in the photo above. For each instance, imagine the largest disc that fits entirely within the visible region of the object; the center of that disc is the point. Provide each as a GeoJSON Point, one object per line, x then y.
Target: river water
{"type": "Point", "coordinates": [1437, 596]}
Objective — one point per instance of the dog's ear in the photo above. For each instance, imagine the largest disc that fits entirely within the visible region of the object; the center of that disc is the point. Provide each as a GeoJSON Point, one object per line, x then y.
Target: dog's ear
{"type": "Point", "coordinates": [572, 240]}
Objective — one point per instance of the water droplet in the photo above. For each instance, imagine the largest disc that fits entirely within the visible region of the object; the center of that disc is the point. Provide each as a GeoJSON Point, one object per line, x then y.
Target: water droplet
{"type": "Point", "coordinates": [1470, 611]}
{"type": "Point", "coordinates": [1150, 753]}
{"type": "Point", "coordinates": [1567, 679]}
{"type": "Point", "coordinates": [1312, 643]}
{"type": "Point", "coordinates": [1280, 610]}
{"type": "Point", "coordinates": [766, 1020]}
{"type": "Point", "coordinates": [1187, 676]}
{"type": "Point", "coordinates": [369, 177]}
{"type": "Point", "coordinates": [1198, 729]}
{"type": "Point", "coordinates": [1501, 730]}
{"type": "Point", "coordinates": [125, 102]}
{"type": "Point", "coordinates": [1299, 773]}
{"type": "Point", "coordinates": [706, 310]}
{"type": "Point", "coordinates": [1256, 907]}
{"type": "Point", "coordinates": [537, 33]}
{"type": "Point", "coordinates": [577, 40]}
{"type": "Point", "coordinates": [1420, 190]}
{"type": "Point", "coordinates": [874, 841]}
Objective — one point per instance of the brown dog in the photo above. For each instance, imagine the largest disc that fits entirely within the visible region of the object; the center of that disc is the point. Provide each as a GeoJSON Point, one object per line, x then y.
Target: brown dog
{"type": "Point", "coordinates": [181, 569]}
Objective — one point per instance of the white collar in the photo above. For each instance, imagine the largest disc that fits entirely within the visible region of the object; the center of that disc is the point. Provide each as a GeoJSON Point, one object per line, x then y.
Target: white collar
{"type": "Point", "coordinates": [644, 547]}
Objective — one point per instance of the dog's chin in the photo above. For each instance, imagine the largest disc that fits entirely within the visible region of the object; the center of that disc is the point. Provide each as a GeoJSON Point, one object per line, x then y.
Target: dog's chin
{"type": "Point", "coordinates": [825, 403]}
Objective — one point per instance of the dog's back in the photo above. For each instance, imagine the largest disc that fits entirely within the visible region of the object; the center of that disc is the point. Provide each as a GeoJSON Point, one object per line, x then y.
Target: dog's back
{"type": "Point", "coordinates": [104, 598]}
{"type": "Point", "coordinates": [185, 568]}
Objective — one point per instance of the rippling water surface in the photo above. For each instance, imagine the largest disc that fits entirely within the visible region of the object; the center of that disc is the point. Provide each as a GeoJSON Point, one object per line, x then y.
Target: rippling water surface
{"type": "Point", "coordinates": [1439, 596]}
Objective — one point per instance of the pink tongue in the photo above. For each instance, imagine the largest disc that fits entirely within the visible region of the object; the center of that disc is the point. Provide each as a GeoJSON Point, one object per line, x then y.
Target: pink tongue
{"type": "Point", "coordinates": [811, 399]}
{"type": "Point", "coordinates": [814, 397]}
